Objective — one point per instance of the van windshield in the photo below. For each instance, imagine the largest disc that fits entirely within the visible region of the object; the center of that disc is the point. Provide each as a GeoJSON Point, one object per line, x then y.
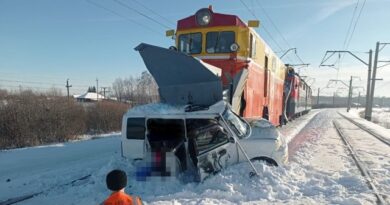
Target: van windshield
{"type": "Point", "coordinates": [238, 125]}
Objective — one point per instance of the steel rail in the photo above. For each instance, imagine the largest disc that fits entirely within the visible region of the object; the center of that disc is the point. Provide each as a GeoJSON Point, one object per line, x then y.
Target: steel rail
{"type": "Point", "coordinates": [362, 168]}
{"type": "Point", "coordinates": [379, 137]}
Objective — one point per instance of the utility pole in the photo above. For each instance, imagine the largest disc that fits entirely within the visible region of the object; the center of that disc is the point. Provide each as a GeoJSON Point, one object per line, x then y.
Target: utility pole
{"type": "Point", "coordinates": [318, 96]}
{"type": "Point", "coordinates": [334, 95]}
{"type": "Point", "coordinates": [358, 102]}
{"type": "Point", "coordinates": [349, 94]}
{"type": "Point", "coordinates": [367, 113]}
{"type": "Point", "coordinates": [67, 87]}
{"type": "Point", "coordinates": [374, 79]}
{"type": "Point", "coordinates": [97, 89]}
{"type": "Point", "coordinates": [104, 91]}
{"type": "Point", "coordinates": [369, 65]}
{"type": "Point", "coordinates": [371, 99]}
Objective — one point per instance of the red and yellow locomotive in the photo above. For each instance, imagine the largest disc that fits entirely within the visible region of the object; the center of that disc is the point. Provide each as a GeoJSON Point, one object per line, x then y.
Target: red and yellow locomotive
{"type": "Point", "coordinates": [228, 43]}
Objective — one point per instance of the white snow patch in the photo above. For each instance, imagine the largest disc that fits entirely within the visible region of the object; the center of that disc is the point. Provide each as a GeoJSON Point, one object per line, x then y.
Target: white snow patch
{"type": "Point", "coordinates": [319, 173]}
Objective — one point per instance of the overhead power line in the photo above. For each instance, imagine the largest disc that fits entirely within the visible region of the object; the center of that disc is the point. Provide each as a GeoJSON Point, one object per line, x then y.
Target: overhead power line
{"type": "Point", "coordinates": [273, 24]}
{"type": "Point", "coordinates": [266, 30]}
{"type": "Point", "coordinates": [40, 83]}
{"type": "Point", "coordinates": [268, 33]}
{"type": "Point", "coordinates": [356, 22]}
{"type": "Point", "coordinates": [124, 17]}
{"type": "Point", "coordinates": [142, 14]}
{"type": "Point", "coordinates": [277, 29]}
{"type": "Point", "coordinates": [349, 35]}
{"type": "Point", "coordinates": [28, 82]}
{"type": "Point", "coordinates": [350, 24]}
{"type": "Point", "coordinates": [155, 13]}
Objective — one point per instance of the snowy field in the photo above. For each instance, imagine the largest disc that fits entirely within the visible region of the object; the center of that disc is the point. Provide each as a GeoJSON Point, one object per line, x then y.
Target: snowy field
{"type": "Point", "coordinates": [319, 172]}
{"type": "Point", "coordinates": [380, 116]}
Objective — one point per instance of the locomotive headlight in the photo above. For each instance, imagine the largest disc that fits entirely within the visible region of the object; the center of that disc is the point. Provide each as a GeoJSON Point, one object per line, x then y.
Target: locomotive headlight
{"type": "Point", "coordinates": [234, 47]}
{"type": "Point", "coordinates": [203, 17]}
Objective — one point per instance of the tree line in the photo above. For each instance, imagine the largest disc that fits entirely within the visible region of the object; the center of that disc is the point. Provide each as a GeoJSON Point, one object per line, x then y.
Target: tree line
{"type": "Point", "coordinates": [136, 90]}
{"type": "Point", "coordinates": [29, 118]}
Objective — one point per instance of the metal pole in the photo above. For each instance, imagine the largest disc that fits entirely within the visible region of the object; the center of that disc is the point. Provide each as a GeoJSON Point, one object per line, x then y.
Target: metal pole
{"type": "Point", "coordinates": [367, 112]}
{"type": "Point", "coordinates": [287, 52]}
{"type": "Point", "coordinates": [371, 101]}
{"type": "Point", "coordinates": [349, 95]}
{"type": "Point", "coordinates": [97, 89]}
{"type": "Point", "coordinates": [358, 102]}
{"type": "Point", "coordinates": [318, 96]}
{"type": "Point", "coordinates": [334, 95]}
{"type": "Point", "coordinates": [67, 87]}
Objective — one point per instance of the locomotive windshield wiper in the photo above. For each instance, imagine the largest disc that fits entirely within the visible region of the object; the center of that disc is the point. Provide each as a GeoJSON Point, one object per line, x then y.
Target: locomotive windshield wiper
{"type": "Point", "coordinates": [216, 43]}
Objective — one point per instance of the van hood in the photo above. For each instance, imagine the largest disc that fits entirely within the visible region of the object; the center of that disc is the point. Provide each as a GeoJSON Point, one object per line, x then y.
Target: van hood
{"type": "Point", "coordinates": [182, 79]}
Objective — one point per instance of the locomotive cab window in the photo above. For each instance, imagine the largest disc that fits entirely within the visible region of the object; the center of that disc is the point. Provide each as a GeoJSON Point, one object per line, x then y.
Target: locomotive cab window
{"type": "Point", "coordinates": [190, 43]}
{"type": "Point", "coordinates": [219, 42]}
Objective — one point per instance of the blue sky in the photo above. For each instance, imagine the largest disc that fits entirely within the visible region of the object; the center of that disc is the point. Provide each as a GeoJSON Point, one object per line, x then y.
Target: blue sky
{"type": "Point", "coordinates": [48, 41]}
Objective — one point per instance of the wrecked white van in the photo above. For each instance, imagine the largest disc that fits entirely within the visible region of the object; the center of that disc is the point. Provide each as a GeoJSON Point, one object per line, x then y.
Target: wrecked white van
{"type": "Point", "coordinates": [202, 140]}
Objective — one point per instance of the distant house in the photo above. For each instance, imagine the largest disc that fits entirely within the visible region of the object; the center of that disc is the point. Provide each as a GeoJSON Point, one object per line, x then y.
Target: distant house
{"type": "Point", "coordinates": [89, 97]}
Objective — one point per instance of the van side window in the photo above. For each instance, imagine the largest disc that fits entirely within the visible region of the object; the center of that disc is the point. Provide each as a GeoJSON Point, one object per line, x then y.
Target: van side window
{"type": "Point", "coordinates": [135, 128]}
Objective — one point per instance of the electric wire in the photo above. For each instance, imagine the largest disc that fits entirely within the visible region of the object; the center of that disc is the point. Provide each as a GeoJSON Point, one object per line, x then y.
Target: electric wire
{"type": "Point", "coordinates": [56, 78]}
{"type": "Point", "coordinates": [265, 29]}
{"type": "Point", "coordinates": [124, 17]}
{"type": "Point", "coordinates": [40, 88]}
{"type": "Point", "coordinates": [155, 13]}
{"type": "Point", "coordinates": [277, 29]}
{"type": "Point", "coordinates": [346, 46]}
{"type": "Point", "coordinates": [76, 86]}
{"type": "Point", "coordinates": [350, 24]}
{"type": "Point", "coordinates": [142, 14]}
{"type": "Point", "coordinates": [356, 22]}
{"type": "Point", "coordinates": [268, 33]}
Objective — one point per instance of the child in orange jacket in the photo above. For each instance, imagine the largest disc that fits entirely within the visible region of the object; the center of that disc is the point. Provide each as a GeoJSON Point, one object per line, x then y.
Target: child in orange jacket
{"type": "Point", "coordinates": [116, 181]}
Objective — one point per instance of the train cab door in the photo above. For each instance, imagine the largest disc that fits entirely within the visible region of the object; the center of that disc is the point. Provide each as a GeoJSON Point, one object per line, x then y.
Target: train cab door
{"type": "Point", "coordinates": [266, 77]}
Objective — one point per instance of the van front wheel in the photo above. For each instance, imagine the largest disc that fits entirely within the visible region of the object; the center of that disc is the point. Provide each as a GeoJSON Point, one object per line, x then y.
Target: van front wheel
{"type": "Point", "coordinates": [268, 161]}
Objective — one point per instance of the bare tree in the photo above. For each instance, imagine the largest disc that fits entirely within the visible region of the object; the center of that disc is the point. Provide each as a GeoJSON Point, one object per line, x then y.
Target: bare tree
{"type": "Point", "coordinates": [118, 88]}
{"type": "Point", "coordinates": [139, 90]}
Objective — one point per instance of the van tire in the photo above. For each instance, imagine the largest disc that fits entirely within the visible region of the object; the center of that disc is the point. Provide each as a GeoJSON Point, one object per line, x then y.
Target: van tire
{"type": "Point", "coordinates": [267, 160]}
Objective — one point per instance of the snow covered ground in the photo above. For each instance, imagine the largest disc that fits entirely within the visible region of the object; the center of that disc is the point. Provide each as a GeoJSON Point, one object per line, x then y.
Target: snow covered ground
{"type": "Point", "coordinates": [320, 172]}
{"type": "Point", "coordinates": [380, 116]}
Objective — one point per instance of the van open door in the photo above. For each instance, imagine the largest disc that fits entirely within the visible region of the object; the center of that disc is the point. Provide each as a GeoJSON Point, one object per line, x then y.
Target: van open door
{"type": "Point", "coordinates": [209, 147]}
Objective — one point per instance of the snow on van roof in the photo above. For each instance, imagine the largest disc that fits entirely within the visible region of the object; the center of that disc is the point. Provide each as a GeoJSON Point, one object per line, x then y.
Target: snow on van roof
{"type": "Point", "coordinates": [169, 109]}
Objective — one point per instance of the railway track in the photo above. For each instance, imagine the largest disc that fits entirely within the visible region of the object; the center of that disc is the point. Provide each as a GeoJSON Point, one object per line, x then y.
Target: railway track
{"type": "Point", "coordinates": [379, 137]}
{"type": "Point", "coordinates": [357, 157]}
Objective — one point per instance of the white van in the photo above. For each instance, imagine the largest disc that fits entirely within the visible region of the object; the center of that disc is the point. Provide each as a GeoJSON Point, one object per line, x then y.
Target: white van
{"type": "Point", "coordinates": [202, 139]}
